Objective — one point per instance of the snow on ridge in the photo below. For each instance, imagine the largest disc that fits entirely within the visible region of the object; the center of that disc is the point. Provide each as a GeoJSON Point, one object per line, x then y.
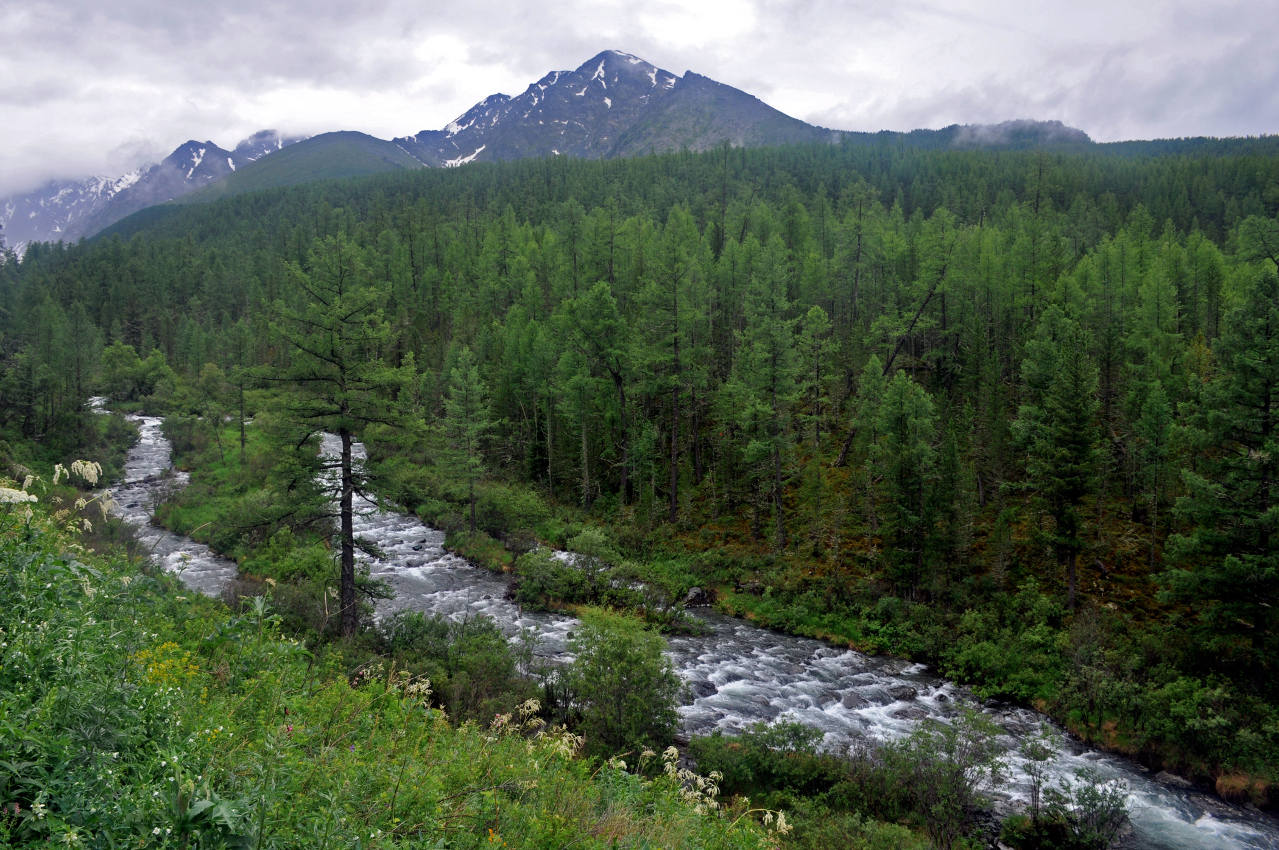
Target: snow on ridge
{"type": "Point", "coordinates": [454, 127]}
{"type": "Point", "coordinates": [230, 162]}
{"type": "Point", "coordinates": [463, 160]}
{"type": "Point", "coordinates": [580, 93]}
{"type": "Point", "coordinates": [196, 159]}
{"type": "Point", "coordinates": [124, 181]}
{"type": "Point", "coordinates": [652, 76]}
{"type": "Point", "coordinates": [599, 72]}
{"type": "Point", "coordinates": [608, 102]}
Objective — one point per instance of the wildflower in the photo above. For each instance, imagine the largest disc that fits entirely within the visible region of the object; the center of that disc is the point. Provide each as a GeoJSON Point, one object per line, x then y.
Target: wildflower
{"type": "Point", "coordinates": [9, 496]}
{"type": "Point", "coordinates": [87, 470]}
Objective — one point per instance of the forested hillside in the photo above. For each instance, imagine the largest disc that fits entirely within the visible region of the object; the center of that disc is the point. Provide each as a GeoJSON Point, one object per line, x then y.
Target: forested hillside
{"type": "Point", "coordinates": [1012, 413]}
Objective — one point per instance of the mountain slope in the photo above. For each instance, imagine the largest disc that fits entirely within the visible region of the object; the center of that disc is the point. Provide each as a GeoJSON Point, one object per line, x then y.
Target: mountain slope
{"type": "Point", "coordinates": [700, 113]}
{"type": "Point", "coordinates": [58, 209]}
{"type": "Point", "coordinates": [327, 156]}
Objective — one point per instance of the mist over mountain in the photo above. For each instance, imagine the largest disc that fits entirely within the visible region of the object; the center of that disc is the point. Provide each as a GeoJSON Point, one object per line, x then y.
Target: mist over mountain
{"type": "Point", "coordinates": [69, 210]}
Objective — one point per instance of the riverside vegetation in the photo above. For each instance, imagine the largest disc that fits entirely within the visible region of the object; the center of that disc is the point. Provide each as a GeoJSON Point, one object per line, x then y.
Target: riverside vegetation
{"type": "Point", "coordinates": [1012, 413]}
{"type": "Point", "coordinates": [137, 715]}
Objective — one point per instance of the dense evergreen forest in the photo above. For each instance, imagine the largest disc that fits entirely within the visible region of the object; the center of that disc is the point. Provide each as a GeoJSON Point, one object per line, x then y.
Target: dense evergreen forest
{"type": "Point", "coordinates": [1013, 413]}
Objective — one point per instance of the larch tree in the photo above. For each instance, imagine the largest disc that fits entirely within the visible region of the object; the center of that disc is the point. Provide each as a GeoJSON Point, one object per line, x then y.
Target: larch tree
{"type": "Point", "coordinates": [465, 422]}
{"type": "Point", "coordinates": [335, 336]}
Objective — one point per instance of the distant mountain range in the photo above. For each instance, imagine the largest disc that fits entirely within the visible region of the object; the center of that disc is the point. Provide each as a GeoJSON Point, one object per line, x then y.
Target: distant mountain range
{"type": "Point", "coordinates": [613, 105]}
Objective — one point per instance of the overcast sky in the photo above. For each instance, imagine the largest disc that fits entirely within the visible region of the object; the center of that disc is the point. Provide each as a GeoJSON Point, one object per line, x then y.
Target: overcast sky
{"type": "Point", "coordinates": [101, 86]}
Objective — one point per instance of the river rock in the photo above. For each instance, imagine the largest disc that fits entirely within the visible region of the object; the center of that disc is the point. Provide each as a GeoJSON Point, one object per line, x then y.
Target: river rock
{"type": "Point", "coordinates": [1166, 778]}
{"type": "Point", "coordinates": [914, 712]}
{"type": "Point", "coordinates": [697, 598]}
{"type": "Point", "coordinates": [702, 688]}
{"type": "Point", "coordinates": [853, 700]}
{"type": "Point", "coordinates": [902, 692]}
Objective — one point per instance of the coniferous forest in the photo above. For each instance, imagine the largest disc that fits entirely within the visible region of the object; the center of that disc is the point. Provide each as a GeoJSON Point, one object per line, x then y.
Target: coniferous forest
{"type": "Point", "coordinates": [1014, 414]}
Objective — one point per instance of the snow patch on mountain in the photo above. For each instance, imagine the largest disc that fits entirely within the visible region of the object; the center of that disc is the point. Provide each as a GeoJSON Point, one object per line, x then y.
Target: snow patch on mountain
{"type": "Point", "coordinates": [463, 160]}
{"type": "Point", "coordinates": [196, 159]}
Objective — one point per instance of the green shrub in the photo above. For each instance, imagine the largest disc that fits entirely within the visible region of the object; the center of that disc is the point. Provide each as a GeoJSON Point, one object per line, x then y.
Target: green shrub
{"type": "Point", "coordinates": [472, 667]}
{"type": "Point", "coordinates": [543, 581]}
{"type": "Point", "coordinates": [480, 549]}
{"type": "Point", "coordinates": [620, 686]}
{"type": "Point", "coordinates": [769, 758]}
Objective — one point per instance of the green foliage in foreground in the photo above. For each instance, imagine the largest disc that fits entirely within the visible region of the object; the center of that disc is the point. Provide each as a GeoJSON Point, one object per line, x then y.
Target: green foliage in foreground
{"type": "Point", "coordinates": [132, 715]}
{"type": "Point", "coordinates": [934, 781]}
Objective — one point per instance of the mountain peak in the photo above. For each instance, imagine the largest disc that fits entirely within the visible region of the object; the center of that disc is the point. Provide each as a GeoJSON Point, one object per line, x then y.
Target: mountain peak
{"type": "Point", "coordinates": [599, 109]}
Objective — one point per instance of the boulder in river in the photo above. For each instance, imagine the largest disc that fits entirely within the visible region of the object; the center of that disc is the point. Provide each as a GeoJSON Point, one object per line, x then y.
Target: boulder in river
{"type": "Point", "coordinates": [702, 688]}
{"type": "Point", "coordinates": [902, 692]}
{"type": "Point", "coordinates": [853, 700]}
{"type": "Point", "coordinates": [1166, 778]}
{"type": "Point", "coordinates": [697, 598]}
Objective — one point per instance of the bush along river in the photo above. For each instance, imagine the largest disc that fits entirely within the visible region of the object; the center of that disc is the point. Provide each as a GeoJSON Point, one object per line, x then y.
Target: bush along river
{"type": "Point", "coordinates": [737, 674]}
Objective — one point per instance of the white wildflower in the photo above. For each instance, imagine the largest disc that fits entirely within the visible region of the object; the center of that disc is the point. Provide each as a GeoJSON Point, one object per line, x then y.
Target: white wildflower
{"type": "Point", "coordinates": [9, 496]}
{"type": "Point", "coordinates": [88, 470]}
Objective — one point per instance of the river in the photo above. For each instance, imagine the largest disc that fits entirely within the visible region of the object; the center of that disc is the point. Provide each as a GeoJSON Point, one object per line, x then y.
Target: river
{"type": "Point", "coordinates": [737, 674]}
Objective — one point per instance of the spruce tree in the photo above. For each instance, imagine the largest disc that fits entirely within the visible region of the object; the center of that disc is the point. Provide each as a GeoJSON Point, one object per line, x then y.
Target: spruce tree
{"type": "Point", "coordinates": [1227, 564]}
{"type": "Point", "coordinates": [1057, 427]}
